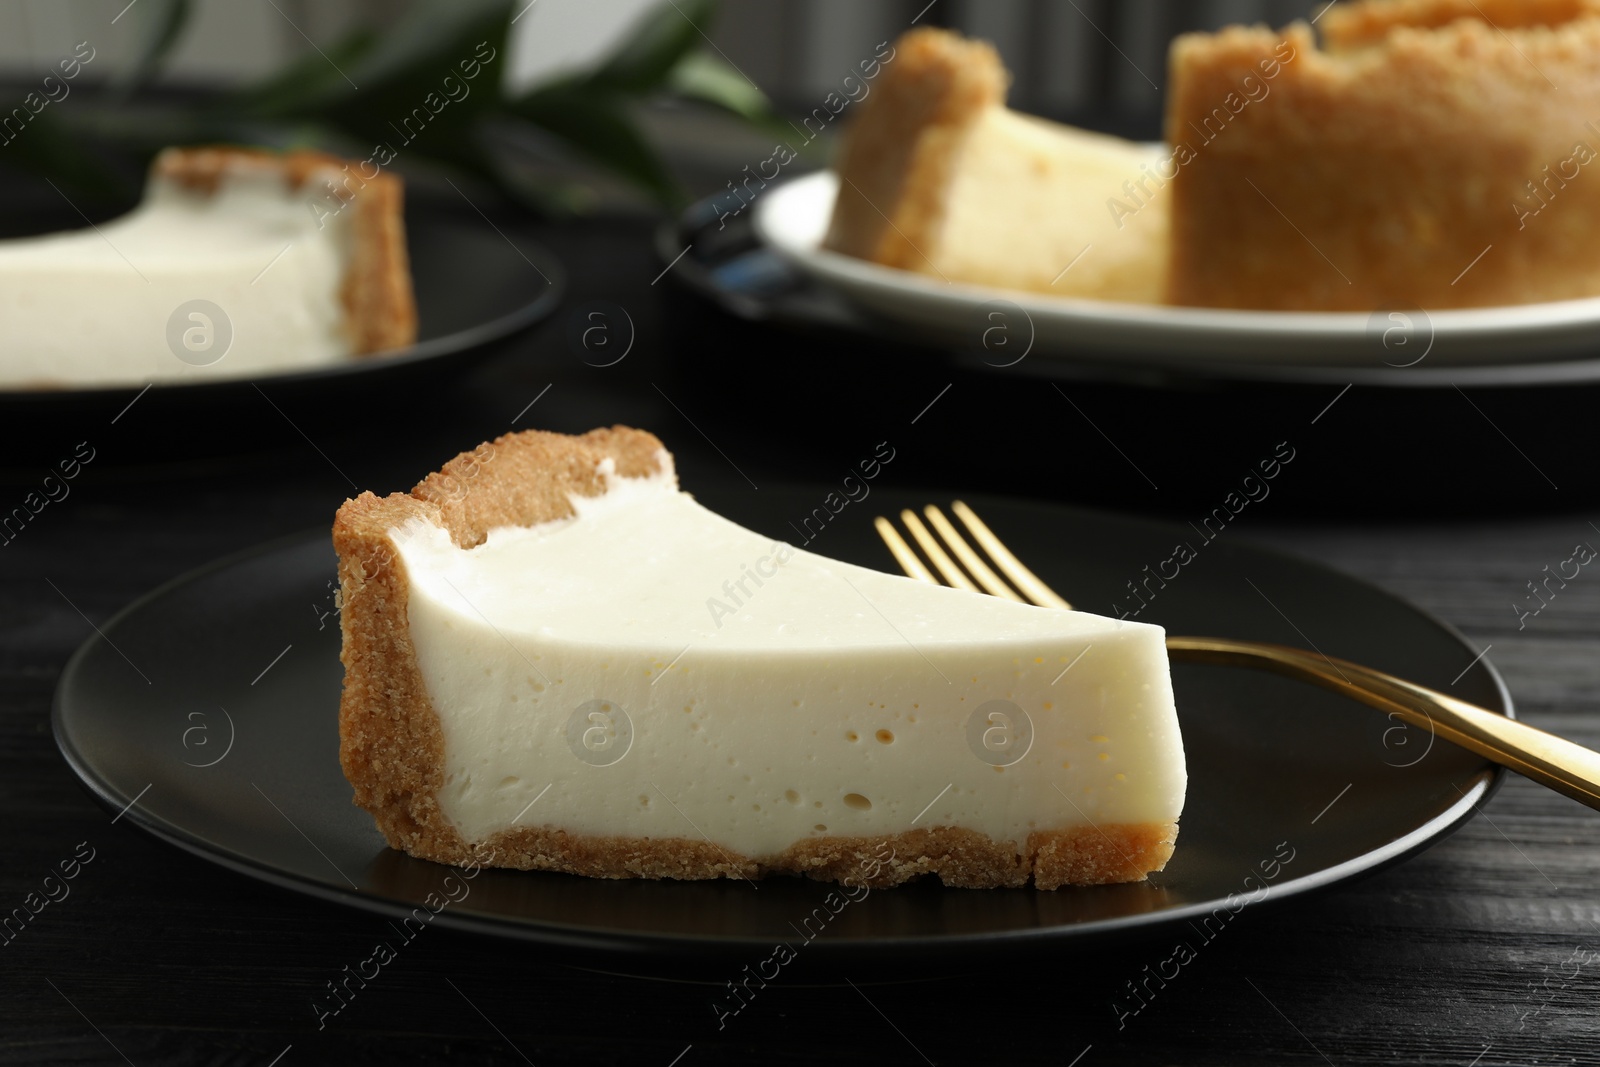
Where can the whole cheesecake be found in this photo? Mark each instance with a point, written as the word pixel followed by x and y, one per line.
pixel 556 660
pixel 1433 152
pixel 236 261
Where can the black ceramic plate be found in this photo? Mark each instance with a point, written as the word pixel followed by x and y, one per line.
pixel 206 713
pixel 475 287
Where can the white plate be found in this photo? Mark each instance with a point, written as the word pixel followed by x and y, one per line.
pixel 1004 325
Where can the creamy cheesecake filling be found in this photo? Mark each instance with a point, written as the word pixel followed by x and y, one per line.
pixel 771 695
pixel 92 307
pixel 1029 198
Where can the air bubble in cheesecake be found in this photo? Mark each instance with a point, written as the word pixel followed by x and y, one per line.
pixel 857 801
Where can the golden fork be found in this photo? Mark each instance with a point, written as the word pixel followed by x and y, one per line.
pixel 1552 761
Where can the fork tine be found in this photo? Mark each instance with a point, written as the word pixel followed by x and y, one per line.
pixel 969 559
pixel 946 566
pixel 902 552
pixel 1025 580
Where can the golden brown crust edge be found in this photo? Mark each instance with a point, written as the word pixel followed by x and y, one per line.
pixel 895 157
pixel 391 746
pixel 376 293
pixel 960 858
pixel 1376 134
pixel 1365 22
pixel 201 168
pixel 390 743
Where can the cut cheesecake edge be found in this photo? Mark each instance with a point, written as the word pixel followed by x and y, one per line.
pixel 896 158
pixel 235 262
pixel 938 176
pixel 376 292
pixel 392 741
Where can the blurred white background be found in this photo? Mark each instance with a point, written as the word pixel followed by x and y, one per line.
pixel 1067 55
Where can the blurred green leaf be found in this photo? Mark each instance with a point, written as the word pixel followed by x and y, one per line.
pixel 304 86
pixel 598 126
pixel 161 23
pixel 713 80
pixel 662 37
pixel 371 77
pixel 427 86
pixel 433 35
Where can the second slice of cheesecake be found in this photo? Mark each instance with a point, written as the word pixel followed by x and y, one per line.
pixel 938 176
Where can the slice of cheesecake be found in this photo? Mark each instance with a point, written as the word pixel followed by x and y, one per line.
pixel 556 660
pixel 235 262
pixel 937 175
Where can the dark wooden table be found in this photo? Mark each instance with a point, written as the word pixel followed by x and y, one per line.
pixel 1484 950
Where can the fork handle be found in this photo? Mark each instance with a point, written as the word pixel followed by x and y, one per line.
pixel 1552 761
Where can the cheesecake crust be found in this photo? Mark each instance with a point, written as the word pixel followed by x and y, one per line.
pixel 897 156
pixel 380 307
pixel 1436 153
pixel 1354 25
pixel 961 858
pixel 391 744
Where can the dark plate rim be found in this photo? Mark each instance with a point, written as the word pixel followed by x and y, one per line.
pixel 483 333
pixel 646 945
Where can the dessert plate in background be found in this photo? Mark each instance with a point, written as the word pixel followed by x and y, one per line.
pixel 207 713
pixel 1399 346
pixel 475 287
